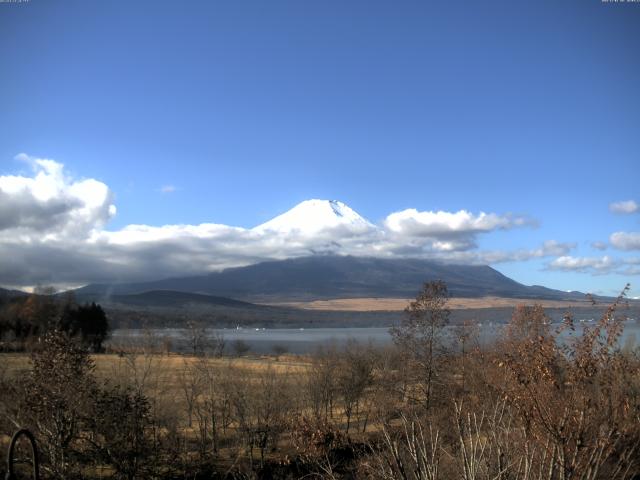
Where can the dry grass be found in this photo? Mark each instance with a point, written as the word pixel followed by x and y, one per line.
pixel 104 363
pixel 166 369
pixel 398 304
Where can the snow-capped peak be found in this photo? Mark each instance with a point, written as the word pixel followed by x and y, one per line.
pixel 312 216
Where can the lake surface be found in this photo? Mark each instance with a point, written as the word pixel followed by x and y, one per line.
pixel 307 340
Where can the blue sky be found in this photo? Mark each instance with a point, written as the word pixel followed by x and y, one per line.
pixel 248 108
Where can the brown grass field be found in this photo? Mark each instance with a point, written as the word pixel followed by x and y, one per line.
pixel 398 304
pixel 160 376
pixel 110 365
pixel 161 373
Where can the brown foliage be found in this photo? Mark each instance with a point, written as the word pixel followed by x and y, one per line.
pixel 574 401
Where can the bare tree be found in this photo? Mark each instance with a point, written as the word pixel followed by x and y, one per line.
pixel 279 349
pixel 261 407
pixel 212 407
pixel 240 347
pixel 190 382
pixel 218 344
pixel 196 336
pixel 420 333
pixel 386 396
pixel 321 382
pixel 466 339
pixel 141 370
pixel 355 375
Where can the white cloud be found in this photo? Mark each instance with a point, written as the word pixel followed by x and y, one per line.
pixel 450 231
pixel 596 265
pixel 51 204
pixel 599 245
pixel 167 189
pixel 626 206
pixel 53 231
pixel 550 248
pixel 424 224
pixel 625 240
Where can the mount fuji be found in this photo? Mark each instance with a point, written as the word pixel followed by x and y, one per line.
pixel 312 216
pixel 332 277
pixel 311 275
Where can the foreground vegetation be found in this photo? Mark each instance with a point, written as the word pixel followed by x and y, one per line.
pixel 432 407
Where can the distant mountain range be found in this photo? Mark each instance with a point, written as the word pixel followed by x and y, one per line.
pixel 6 294
pixel 331 276
pixel 237 296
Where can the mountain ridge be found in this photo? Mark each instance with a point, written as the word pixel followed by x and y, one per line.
pixel 332 276
pixel 6 293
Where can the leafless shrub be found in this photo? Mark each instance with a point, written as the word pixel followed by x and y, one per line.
pixel 212 406
pixel 57 399
pixel 574 401
pixel 190 383
pixel 355 375
pixel 411 452
pixel 117 431
pixel 321 385
pixel 279 350
pixel 260 409
pixel 240 347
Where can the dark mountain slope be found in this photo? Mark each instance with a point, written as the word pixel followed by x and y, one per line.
pixel 167 298
pixel 9 294
pixel 323 277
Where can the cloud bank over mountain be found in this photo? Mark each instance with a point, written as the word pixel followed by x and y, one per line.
pixel 50 204
pixel 53 231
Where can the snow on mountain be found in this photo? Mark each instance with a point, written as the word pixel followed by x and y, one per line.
pixel 313 216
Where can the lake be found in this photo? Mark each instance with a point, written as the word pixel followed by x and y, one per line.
pixel 306 340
